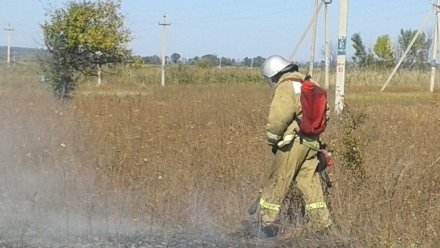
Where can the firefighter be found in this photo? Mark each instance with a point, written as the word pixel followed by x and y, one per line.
pixel 295 159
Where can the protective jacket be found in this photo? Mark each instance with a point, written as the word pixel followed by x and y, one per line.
pixel 285 113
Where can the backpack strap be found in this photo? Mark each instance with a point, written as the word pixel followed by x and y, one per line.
pixel 292 79
pixel 296 83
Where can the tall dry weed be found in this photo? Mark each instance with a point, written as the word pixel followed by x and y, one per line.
pixel 189 157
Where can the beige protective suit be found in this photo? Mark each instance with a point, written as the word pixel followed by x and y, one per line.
pixel 295 160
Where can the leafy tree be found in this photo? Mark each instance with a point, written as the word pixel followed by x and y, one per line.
pixel 175 57
pixel 193 61
pixel 383 49
pixel 257 61
pixel 152 60
pixel 208 60
pixel 418 54
pixel 80 38
pixel 136 61
pixel 227 61
pixel 247 62
pixel 362 57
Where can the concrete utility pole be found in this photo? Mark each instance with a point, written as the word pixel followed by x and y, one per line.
pixel 303 36
pixel 342 52
pixel 313 43
pixel 327 45
pixel 419 31
pixel 8 29
pixel 164 25
pixel 313 26
pixel 435 48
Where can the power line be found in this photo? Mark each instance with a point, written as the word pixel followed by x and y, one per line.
pixel 250 12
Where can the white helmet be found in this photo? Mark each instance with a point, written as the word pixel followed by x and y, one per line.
pixel 272 66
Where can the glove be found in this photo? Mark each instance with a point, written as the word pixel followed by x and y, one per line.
pixel 272 139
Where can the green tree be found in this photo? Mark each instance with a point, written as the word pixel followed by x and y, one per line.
pixel 383 49
pixel 254 62
pixel 175 57
pixel 208 60
pixel 361 56
pixel 80 38
pixel 419 53
pixel 247 62
pixel 193 61
pixel 227 61
pixel 152 60
pixel 258 61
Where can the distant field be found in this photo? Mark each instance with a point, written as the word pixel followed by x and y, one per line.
pixel 134 159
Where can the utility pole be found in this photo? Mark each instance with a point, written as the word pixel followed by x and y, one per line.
pixel 313 43
pixel 327 45
pixel 435 48
pixel 419 31
pixel 303 36
pixel 341 59
pixel 8 29
pixel 313 26
pixel 164 25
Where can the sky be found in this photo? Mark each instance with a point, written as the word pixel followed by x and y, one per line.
pixel 230 28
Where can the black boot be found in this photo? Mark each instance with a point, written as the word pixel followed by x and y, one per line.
pixel 252 229
pixel 270 231
pixel 254 207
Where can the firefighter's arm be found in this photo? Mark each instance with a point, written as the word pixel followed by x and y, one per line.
pixel 281 114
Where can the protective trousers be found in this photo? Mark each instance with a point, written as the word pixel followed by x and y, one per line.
pixel 295 162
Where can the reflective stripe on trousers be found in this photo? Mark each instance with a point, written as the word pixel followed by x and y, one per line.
pixel 270 206
pixel 315 205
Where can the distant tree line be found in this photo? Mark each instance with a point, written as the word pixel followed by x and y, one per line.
pixel 21 53
pixel 386 54
pixel 383 54
pixel 205 61
pixel 89 38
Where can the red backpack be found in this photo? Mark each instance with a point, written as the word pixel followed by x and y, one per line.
pixel 314 106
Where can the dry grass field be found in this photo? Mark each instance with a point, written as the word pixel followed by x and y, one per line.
pixel 137 165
